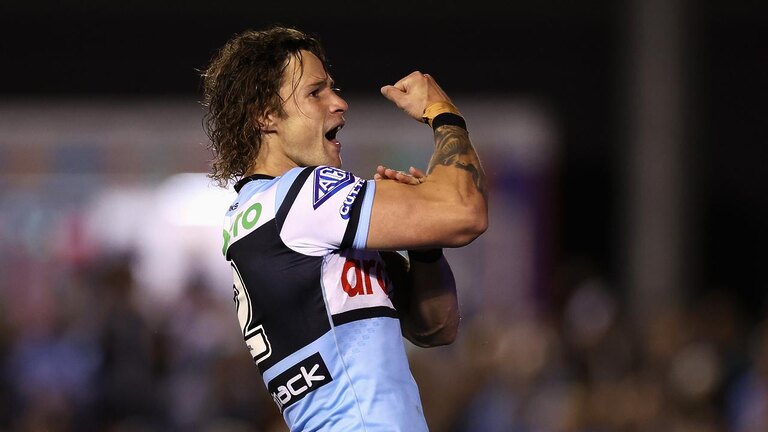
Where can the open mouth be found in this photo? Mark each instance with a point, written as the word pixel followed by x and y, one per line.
pixel 331 134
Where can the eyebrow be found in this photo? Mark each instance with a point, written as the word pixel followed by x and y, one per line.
pixel 322 82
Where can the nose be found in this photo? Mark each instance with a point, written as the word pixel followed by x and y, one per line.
pixel 338 104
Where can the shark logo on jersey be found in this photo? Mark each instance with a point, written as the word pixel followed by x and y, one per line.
pixel 328 181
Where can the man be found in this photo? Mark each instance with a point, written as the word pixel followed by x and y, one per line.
pixel 321 309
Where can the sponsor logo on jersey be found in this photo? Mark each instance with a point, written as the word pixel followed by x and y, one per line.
pixel 245 220
pixel 328 181
pixel 356 277
pixel 346 206
pixel 298 381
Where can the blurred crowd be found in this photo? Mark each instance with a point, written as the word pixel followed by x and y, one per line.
pixel 586 366
pixel 85 355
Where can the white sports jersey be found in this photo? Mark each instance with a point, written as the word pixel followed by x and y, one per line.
pixel 314 306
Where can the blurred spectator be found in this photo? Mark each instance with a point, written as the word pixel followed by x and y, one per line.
pixel 747 397
pixel 203 333
pixel 52 363
pixel 131 358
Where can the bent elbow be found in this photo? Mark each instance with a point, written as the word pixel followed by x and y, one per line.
pixel 480 221
pixel 444 334
pixel 474 224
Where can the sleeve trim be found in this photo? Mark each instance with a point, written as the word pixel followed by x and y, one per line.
pixel 363 225
pixel 354 218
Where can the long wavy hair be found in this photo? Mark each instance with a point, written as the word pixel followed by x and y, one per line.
pixel 241 87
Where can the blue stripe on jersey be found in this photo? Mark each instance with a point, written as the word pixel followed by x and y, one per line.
pixel 286 180
pixel 361 237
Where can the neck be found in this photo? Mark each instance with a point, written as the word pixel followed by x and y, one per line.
pixel 271 162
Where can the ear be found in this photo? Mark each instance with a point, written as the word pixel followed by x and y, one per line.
pixel 268 123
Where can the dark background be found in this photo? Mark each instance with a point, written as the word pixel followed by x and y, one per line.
pixel 84 346
pixel 571 55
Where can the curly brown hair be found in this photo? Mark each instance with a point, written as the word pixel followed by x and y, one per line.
pixel 240 87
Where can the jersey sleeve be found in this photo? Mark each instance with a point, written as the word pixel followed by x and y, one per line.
pixel 321 209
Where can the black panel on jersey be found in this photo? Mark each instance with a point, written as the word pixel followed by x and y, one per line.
pixel 243 181
pixel 284 291
pixel 354 218
pixel 359 314
pixel 290 197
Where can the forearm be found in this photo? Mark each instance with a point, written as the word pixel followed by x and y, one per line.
pixel 455 152
pixel 434 310
pixel 455 167
pixel 448 207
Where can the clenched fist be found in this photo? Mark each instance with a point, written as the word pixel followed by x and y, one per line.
pixel 414 93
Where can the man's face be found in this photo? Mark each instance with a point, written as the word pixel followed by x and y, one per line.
pixel 313 113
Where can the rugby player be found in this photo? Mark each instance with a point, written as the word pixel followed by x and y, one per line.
pixel 322 300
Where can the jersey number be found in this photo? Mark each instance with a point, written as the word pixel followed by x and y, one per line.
pixel 255 336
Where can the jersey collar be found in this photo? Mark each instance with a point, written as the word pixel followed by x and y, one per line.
pixel 239 185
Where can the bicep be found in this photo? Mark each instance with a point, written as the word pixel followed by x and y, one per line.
pixel 415 217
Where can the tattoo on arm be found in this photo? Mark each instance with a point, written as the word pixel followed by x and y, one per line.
pixel 453 148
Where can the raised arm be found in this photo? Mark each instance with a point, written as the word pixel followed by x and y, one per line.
pixel 449 208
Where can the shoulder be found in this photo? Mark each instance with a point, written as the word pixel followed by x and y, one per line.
pixel 317 185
